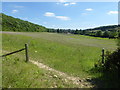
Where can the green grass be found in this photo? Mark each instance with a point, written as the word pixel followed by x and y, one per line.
pixel 72 54
pixel 74 40
pixel 0 58
pixel 19 74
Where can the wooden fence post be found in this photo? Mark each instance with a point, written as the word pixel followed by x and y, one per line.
pixel 103 55
pixel 26 52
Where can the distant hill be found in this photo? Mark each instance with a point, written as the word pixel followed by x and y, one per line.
pixel 106 28
pixel 14 24
pixel 111 31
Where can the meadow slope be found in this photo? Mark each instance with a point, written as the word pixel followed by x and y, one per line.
pixel 72 54
pixel 60 51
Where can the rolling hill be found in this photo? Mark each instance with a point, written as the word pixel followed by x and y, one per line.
pixel 15 24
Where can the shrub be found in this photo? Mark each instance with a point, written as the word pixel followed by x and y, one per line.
pixel 118 43
pixel 112 60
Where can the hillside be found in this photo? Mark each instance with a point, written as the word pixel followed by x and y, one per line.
pixel 74 55
pixel 14 24
pixel 104 28
pixel 110 31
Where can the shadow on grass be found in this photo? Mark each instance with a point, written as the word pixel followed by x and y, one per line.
pixel 105 79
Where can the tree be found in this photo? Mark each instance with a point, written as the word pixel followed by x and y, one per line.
pixel 76 31
pixel 106 34
pixel 58 31
pixel 118 42
pixel 83 32
pixel 98 34
pixel 112 34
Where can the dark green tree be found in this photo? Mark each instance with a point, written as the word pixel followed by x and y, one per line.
pixel 112 34
pixel 106 34
pixel 98 34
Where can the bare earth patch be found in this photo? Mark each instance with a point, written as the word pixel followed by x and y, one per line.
pixel 76 80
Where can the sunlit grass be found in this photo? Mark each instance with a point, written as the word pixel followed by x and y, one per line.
pixel 72 54
pixel 19 74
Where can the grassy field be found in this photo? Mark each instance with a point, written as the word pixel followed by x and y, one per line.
pixel 0 72
pixel 72 54
pixel 18 74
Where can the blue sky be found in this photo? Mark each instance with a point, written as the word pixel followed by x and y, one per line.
pixel 73 15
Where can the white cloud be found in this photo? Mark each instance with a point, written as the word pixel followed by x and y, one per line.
pixel 66 4
pixel 72 3
pixel 112 12
pixel 62 1
pixel 63 17
pixel 14 11
pixel 49 14
pixel 89 9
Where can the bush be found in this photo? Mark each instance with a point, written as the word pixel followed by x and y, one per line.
pixel 118 43
pixel 112 61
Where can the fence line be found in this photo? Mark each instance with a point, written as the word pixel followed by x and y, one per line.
pixel 26 52
pixel 27 57
pixel 13 52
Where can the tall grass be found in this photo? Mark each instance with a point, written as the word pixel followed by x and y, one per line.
pixel 19 74
pixel 71 54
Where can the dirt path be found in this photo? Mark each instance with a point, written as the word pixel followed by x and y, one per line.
pixel 76 80
pixel 82 83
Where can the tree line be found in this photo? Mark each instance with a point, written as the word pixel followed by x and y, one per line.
pixel 105 31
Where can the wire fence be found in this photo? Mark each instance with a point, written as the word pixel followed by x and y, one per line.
pixel 27 56
pixel 26 52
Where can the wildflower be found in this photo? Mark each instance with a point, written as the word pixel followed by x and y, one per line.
pixel 35 51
